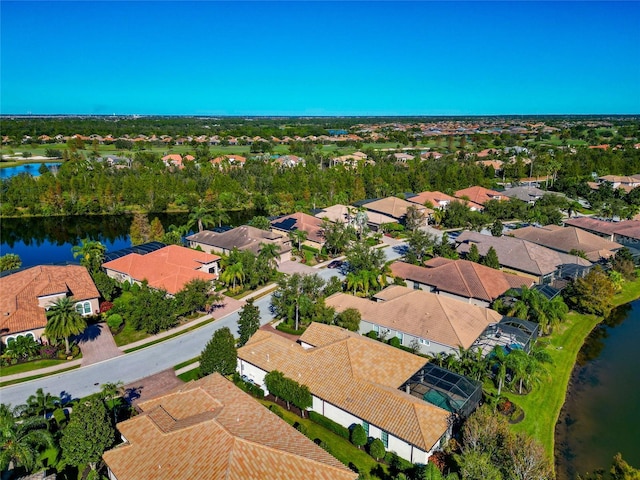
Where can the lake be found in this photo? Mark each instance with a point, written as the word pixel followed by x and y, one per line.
pixel 30 168
pixel 47 240
pixel 601 415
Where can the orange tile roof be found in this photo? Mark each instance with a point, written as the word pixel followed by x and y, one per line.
pixel 169 268
pixel 426 315
pixel 434 198
pixel 355 373
pixel 301 221
pixel 230 158
pixel 211 429
pixel 19 293
pixel 462 277
pixel 480 195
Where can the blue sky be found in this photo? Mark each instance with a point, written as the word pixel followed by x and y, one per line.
pixel 320 58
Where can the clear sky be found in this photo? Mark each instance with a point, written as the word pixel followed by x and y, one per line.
pixel 320 58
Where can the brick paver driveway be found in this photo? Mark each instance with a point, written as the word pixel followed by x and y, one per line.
pixel 296 267
pixel 97 344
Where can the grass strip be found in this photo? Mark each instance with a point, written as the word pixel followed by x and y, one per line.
pixel 339 447
pixel 168 337
pixel 186 362
pixel 35 377
pixel 28 366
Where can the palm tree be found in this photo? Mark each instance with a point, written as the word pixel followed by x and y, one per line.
pixel 271 253
pixel 200 216
pixel 232 274
pixel 369 279
pixel 498 360
pixel 41 403
pixel 220 214
pixel 298 236
pixel 91 254
pixel 64 321
pixel 353 281
pixel 21 440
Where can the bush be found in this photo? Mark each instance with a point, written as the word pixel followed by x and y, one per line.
pixel 329 424
pixel 48 351
pixel 301 428
pixel 376 449
pixel 276 410
pixel 394 342
pixel 114 321
pixel 372 334
pixel 283 327
pixel 358 435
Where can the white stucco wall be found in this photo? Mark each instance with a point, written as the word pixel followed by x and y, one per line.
pixel 430 348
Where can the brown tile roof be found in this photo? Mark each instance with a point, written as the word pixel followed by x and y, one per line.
pixel 565 239
pixel 518 254
pixel 211 429
pixel 340 213
pixel 394 207
pixel 169 268
pixel 245 237
pixel 426 315
pixel 358 375
pixel 301 221
pixel 432 197
pixel 480 195
pixel 19 293
pixel 462 277
pixel 627 228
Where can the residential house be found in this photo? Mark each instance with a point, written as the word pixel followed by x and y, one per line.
pixel 433 323
pixel 568 239
pixel 395 207
pixel 626 232
pixel 211 429
pixel 431 155
pixel 177 160
pixel 522 257
pixel 245 237
pixel 626 183
pixel 440 201
pixel 527 194
pixel 353 380
pixel 480 195
pixel 460 279
pixel 345 214
pixel 169 268
pixel 26 295
pixel 402 157
pixel 230 160
pixel 289 160
pixel 351 159
pixel 301 221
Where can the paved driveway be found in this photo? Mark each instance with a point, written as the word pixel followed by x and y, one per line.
pixel 290 268
pixel 97 344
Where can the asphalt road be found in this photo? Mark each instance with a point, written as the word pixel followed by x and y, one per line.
pixel 148 361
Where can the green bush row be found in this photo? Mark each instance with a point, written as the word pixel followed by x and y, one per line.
pixel 329 424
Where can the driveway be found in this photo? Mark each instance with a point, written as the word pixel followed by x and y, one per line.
pixel 97 344
pixel 290 268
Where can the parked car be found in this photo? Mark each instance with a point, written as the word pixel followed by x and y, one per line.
pixel 335 264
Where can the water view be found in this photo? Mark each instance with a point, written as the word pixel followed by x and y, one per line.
pixel 600 416
pixel 32 169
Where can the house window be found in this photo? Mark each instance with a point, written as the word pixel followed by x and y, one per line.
pixel 400 337
pixel 376 328
pixel 424 342
pixel 385 439
pixel 416 286
pixel 365 425
pixel 83 308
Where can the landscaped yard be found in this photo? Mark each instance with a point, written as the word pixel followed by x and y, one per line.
pixel 542 406
pixel 29 366
pixel 339 447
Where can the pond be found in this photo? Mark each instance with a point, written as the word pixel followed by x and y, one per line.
pixel 48 240
pixel 32 169
pixel 601 415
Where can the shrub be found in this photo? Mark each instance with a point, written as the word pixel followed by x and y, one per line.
pixel 48 351
pixel 329 424
pixel 358 436
pixel 376 449
pixel 394 342
pixel 283 327
pixel 114 321
pixel 276 410
pixel 372 334
pixel 105 307
pixel 300 427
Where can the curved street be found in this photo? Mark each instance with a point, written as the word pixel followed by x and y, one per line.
pixel 147 361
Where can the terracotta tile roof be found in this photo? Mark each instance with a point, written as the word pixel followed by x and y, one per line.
pixel 169 268
pixel 462 277
pixel 232 159
pixel 19 293
pixel 394 207
pixel 518 254
pixel 245 237
pixel 358 375
pixel 480 195
pixel 301 221
pixel 211 429
pixel 432 197
pixel 565 239
pixel 426 315
pixel 627 228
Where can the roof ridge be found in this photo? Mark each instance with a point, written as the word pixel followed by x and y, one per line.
pixel 475 267
pixel 446 312
pixel 456 265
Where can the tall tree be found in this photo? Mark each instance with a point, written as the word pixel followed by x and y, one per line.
pixel 88 434
pixel 200 216
pixel 156 230
pixel 219 355
pixel 491 259
pixel 270 253
pixel 349 319
pixel 63 321
pixel 10 261
pixel 419 245
pixel 299 237
pixel 473 255
pixel 42 403
pixel 21 439
pixel 248 322
pixel 91 254
pixel 260 222
pixel 140 229
pixel 414 218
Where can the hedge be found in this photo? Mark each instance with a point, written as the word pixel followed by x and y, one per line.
pixel 283 327
pixel 329 424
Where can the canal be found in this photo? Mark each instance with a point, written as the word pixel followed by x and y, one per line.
pixel 601 415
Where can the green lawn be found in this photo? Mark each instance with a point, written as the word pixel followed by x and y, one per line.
pixel 129 335
pixel 542 406
pixel 193 374
pixel 339 447
pixel 29 366
pixel 34 377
